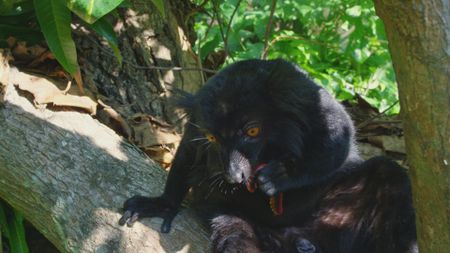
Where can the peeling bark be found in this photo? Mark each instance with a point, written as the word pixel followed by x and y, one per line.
pixel 419 41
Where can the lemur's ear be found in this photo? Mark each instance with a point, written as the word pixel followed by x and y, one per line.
pixel 185 101
pixel 181 99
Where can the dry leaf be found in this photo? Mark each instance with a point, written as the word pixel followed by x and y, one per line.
pixel 161 155
pixel 156 138
pixel 26 53
pixel 5 57
pixel 150 132
pixel 46 92
pixel 110 117
pixel 79 80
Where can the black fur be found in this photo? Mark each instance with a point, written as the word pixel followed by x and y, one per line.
pixel 304 151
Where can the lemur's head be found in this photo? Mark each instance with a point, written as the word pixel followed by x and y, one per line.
pixel 251 113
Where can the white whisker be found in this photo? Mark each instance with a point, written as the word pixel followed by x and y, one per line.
pixel 197 126
pixel 199 139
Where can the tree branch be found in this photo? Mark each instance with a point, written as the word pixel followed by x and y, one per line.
pixel 268 28
pixel 69 175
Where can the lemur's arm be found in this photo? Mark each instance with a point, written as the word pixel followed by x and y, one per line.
pixel 165 206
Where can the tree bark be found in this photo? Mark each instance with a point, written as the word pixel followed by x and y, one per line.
pixel 147 42
pixel 419 40
pixel 69 175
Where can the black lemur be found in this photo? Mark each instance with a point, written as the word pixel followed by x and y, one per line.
pixel 271 160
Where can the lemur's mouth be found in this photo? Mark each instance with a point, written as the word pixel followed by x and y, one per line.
pixel 275 202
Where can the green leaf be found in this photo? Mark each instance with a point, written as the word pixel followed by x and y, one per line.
pixel 360 55
pixel 304 9
pixel 381 34
pixel 355 11
pixel 254 50
pixel 125 4
pixel 29 35
pixel 17 239
pixel 15 7
pixel 54 19
pixel 160 6
pixel 11 225
pixel 210 46
pixel 344 94
pixel 105 29
pixel 4 228
pixel 92 10
pixel 234 42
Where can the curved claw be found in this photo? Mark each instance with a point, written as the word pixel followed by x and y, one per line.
pixel 132 219
pixel 126 215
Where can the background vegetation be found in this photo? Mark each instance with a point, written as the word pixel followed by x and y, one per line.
pixel 341 43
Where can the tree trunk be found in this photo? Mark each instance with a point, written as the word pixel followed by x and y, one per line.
pixel 419 42
pixel 69 174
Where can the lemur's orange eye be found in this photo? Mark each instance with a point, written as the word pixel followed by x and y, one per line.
pixel 253 131
pixel 211 138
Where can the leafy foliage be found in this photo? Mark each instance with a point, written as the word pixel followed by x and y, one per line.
pixel 341 43
pixel 55 18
